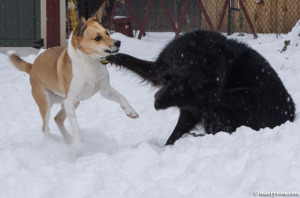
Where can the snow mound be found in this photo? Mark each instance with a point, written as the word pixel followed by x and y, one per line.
pixel 125 158
pixel 10 52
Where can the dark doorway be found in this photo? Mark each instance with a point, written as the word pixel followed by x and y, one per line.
pixel 20 23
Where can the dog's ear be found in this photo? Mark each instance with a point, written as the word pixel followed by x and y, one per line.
pixel 99 14
pixel 80 27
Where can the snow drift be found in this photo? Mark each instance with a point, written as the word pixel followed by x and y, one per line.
pixel 126 158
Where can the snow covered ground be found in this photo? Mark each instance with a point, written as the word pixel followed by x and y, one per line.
pixel 127 158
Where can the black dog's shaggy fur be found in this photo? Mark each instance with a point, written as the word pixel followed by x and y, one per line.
pixel 216 81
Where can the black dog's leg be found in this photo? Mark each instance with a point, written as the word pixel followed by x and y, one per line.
pixel 186 122
pixel 145 69
pixel 213 127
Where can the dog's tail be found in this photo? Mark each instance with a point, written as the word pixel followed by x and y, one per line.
pixel 145 69
pixel 19 63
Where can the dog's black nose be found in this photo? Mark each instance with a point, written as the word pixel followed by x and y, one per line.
pixel 156 105
pixel 117 43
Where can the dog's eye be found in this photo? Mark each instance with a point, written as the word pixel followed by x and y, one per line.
pixel 98 38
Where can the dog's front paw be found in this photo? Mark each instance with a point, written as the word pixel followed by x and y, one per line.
pixel 130 112
pixel 68 138
pixel 133 115
pixel 77 148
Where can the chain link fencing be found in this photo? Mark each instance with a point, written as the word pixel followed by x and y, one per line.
pixel 177 16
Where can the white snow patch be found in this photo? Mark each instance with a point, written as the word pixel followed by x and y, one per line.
pixel 10 52
pixel 126 158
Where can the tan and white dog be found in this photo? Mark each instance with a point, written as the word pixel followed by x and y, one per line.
pixel 68 75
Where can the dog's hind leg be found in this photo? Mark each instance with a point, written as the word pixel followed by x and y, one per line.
pixel 69 105
pixel 186 122
pixel 40 97
pixel 60 119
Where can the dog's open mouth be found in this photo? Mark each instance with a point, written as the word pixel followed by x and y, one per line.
pixel 111 52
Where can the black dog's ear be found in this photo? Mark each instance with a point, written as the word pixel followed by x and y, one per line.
pixel 80 27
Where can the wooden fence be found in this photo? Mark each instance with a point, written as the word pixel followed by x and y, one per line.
pixel 267 16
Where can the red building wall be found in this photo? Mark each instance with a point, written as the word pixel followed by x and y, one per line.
pixel 53 23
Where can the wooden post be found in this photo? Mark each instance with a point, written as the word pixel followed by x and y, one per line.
pixel 112 14
pixel 142 27
pixel 133 13
pixel 168 15
pixel 222 15
pixel 53 23
pixel 182 17
pixel 205 15
pixel 248 19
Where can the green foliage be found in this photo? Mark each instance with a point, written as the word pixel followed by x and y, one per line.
pixel 286 44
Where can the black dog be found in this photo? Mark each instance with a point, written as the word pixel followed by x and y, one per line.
pixel 216 81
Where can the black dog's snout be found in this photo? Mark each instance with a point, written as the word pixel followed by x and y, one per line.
pixel 156 105
pixel 117 43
